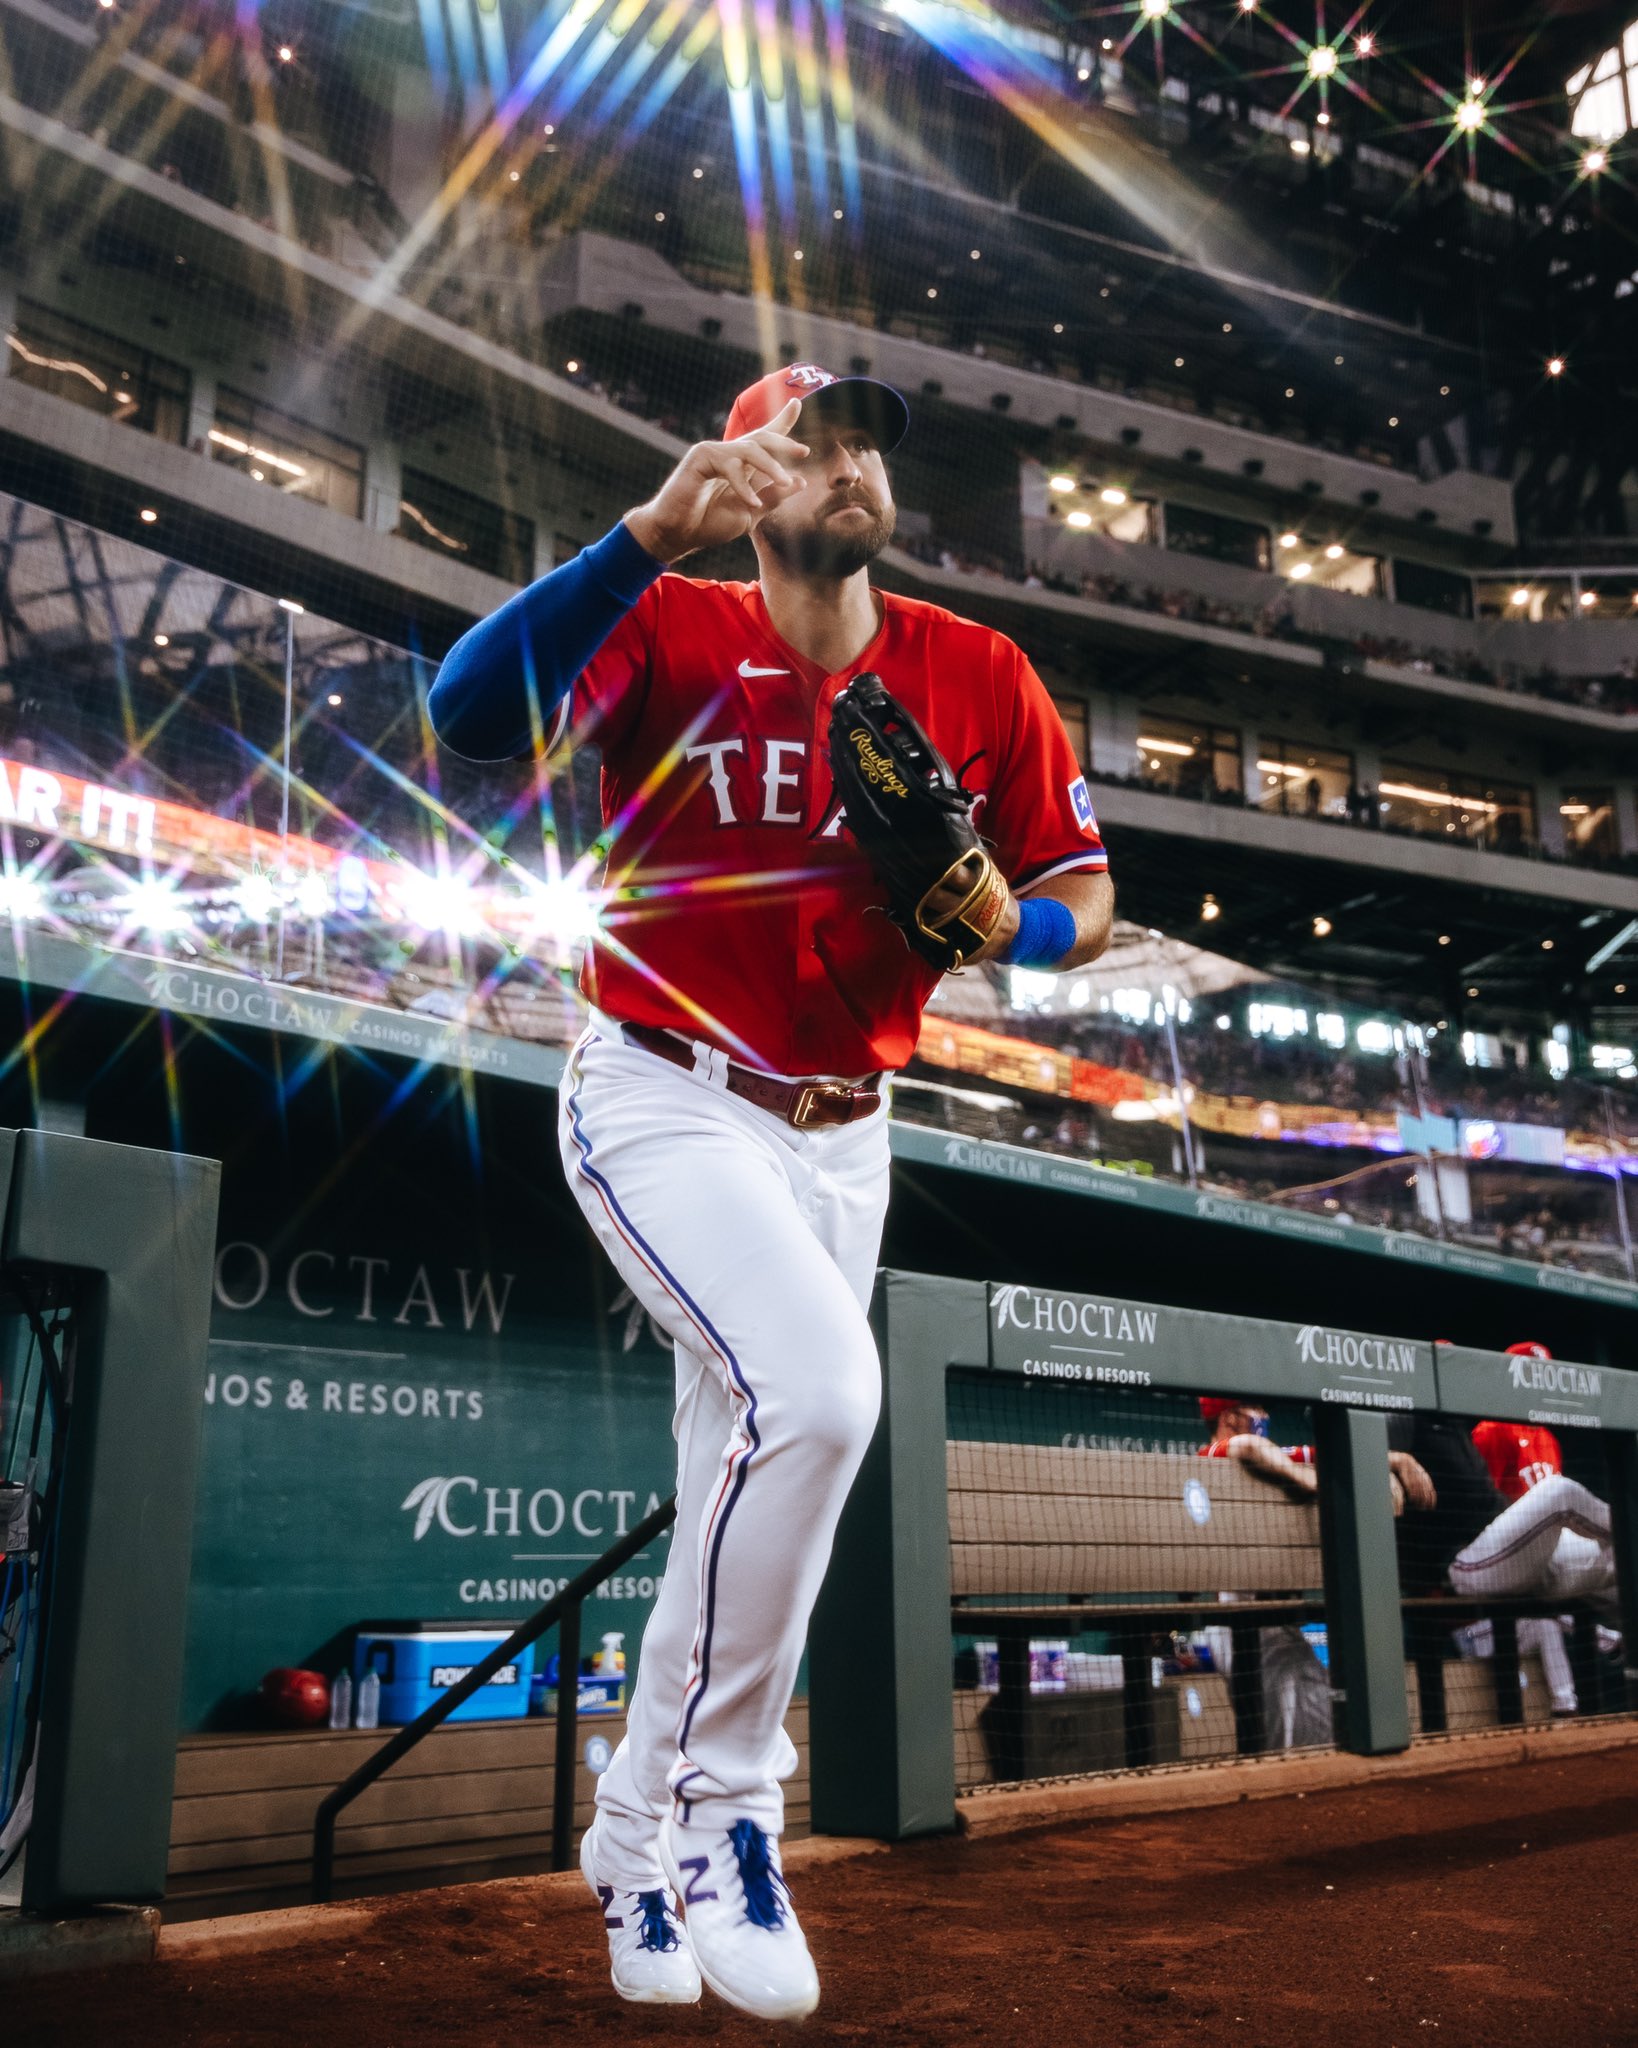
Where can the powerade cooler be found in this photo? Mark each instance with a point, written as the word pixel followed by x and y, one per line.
pixel 418 1662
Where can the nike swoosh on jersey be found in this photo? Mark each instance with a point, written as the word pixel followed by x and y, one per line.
pixel 747 670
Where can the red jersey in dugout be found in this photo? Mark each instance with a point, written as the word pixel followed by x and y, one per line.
pixel 738 909
pixel 1520 1455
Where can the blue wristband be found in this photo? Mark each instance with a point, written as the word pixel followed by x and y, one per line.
pixel 1046 931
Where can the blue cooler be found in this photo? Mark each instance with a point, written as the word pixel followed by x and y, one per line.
pixel 418 1662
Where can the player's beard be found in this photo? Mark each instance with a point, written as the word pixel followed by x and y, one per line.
pixel 829 553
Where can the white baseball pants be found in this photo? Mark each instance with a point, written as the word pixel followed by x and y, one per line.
pixel 754 1246
pixel 1553 1540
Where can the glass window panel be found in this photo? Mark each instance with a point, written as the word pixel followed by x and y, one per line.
pixel 49 352
pixel 466 528
pixel 1468 809
pixel 288 454
pixel 1190 531
pixel 1305 781
pixel 1589 824
pixel 1190 759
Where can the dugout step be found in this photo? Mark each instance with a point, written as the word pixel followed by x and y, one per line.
pixel 35 1945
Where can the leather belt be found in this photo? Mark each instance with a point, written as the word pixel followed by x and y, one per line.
pixel 805 1105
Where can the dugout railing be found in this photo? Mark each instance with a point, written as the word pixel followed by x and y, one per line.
pixel 903 1604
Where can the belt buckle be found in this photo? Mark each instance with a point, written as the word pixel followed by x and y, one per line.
pixel 804 1116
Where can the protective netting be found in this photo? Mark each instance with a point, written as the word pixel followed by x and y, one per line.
pixel 1507 1575
pixel 37 1334
pixel 1136 1581
pixel 327 327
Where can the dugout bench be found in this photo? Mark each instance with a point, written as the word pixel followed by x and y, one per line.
pixel 937 1532
pixel 1148 1541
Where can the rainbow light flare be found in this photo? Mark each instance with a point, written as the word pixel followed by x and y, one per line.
pixel 1152 192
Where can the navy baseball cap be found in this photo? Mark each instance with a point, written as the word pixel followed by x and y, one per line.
pixel 857 401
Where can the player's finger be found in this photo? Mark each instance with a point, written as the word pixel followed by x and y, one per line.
pixel 752 458
pixel 782 446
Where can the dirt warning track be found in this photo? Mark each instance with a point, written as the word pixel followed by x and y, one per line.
pixel 1490 1906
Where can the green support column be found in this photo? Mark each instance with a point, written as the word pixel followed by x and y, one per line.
pixel 138 1229
pixel 1361 1580
pixel 879 1660
pixel 1621 1463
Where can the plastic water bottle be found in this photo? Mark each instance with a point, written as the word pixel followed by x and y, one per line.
pixel 369 1700
pixel 341 1701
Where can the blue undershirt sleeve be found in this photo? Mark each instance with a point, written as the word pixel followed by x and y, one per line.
pixel 535 646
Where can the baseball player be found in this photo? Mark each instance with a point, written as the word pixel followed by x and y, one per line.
pixel 1519 1454
pixel 1553 1542
pixel 722 1117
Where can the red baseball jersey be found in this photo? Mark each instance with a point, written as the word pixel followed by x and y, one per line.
pixel 1520 1454
pixel 738 909
pixel 1299 1454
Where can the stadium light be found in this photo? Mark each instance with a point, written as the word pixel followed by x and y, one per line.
pixel 153 903
pixel 1153 746
pixel 333 699
pixel 21 896
pixel 257 896
pixel 1288 540
pixel 1594 161
pixel 1334 552
pixel 312 894
pixel 1470 116
pixel 1588 599
pixel 1060 483
pixel 1521 597
pixel 1365 45
pixel 1322 927
pixel 1154 10
pixel 1301 569
pixel 1322 61
pixel 439 903
pixel 1300 145
pixel 1111 494
pixel 147 515
pixel 1079 519
pixel 1210 909
pixel 1555 366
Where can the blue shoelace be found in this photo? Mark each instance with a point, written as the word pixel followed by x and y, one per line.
pixel 658 1932
pixel 763 1905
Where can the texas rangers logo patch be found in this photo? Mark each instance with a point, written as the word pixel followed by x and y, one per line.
pixel 1082 802
pixel 808 376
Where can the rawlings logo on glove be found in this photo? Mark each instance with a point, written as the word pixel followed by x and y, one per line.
pixel 912 820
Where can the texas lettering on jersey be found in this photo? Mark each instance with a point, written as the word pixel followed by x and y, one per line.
pixel 1519 1454
pixel 737 907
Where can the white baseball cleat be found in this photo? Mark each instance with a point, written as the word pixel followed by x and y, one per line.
pixel 650 1957
pixel 749 1947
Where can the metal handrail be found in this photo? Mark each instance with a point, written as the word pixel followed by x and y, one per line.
pixel 563 1608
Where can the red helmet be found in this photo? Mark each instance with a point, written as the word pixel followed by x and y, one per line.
pixel 300 1699
pixel 1214 1405
pixel 1528 1349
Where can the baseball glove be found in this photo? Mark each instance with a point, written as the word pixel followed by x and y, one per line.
pixel 912 819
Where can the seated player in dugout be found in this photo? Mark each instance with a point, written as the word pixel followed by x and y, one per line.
pixel 1558 1544
pixel 1240 1431
pixel 753 981
pixel 1553 1543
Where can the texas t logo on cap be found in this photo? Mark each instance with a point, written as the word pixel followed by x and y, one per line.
pixel 843 401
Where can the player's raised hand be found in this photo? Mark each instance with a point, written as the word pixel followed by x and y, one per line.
pixel 720 490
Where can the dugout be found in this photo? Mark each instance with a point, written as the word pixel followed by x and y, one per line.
pixel 408 1308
